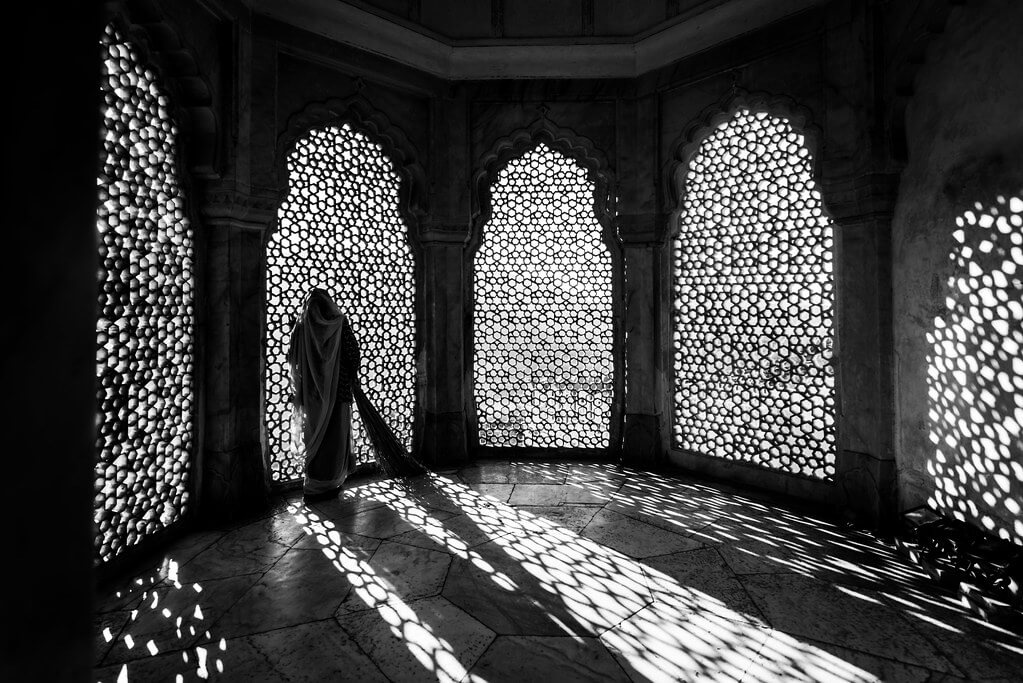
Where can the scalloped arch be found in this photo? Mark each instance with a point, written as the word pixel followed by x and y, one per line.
pixel 160 44
pixel 360 114
pixel 687 145
pixel 518 142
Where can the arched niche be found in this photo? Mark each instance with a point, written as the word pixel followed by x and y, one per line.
pixel 348 222
pixel 549 363
pixel 753 310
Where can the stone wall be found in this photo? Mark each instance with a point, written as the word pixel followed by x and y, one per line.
pixel 957 267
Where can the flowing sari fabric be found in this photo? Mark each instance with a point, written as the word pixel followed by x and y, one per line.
pixel 324 359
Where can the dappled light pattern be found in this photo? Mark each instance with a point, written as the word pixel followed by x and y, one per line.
pixel 340 229
pixel 975 373
pixel 754 302
pixel 167 618
pixel 561 570
pixel 146 313
pixel 542 318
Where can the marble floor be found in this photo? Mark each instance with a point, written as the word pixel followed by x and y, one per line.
pixel 530 571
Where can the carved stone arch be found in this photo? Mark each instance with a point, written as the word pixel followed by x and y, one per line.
pixel 576 147
pixel 688 143
pixel 159 42
pixel 361 115
pixel 584 152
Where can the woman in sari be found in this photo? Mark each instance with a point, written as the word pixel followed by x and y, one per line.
pixel 324 359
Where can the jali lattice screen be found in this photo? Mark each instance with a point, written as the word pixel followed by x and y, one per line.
pixel 339 228
pixel 146 321
pixel 753 302
pixel 543 321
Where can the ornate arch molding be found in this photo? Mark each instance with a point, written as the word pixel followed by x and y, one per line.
pixel 584 152
pixel 688 144
pixel 577 147
pixel 177 65
pixel 361 115
pixel 916 50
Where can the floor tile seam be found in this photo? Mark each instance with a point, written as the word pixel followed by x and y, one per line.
pixel 196 639
pixel 954 671
pixel 633 517
pixel 943 652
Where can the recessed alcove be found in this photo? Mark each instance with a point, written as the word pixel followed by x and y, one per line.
pixel 683 305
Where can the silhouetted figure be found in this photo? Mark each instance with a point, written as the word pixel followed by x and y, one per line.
pixel 324 359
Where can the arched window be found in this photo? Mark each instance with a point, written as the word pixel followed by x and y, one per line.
pixel 543 320
pixel 340 229
pixel 753 302
pixel 146 323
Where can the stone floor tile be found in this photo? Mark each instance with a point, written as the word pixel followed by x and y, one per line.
pixel 978 650
pixel 107 627
pixel 537 494
pixel 488 472
pixel 501 593
pixel 253 548
pixel 428 639
pixel 571 517
pixel 499 492
pixel 700 578
pixel 384 522
pixel 315 652
pixel 633 537
pixel 590 492
pixel 538 658
pixel 305 585
pixel 596 472
pixel 659 643
pixel 454 535
pixel 776 663
pixel 239 660
pixel 177 618
pixel 803 606
pixel 319 536
pixel 396 572
pixel 345 505
pixel 539 473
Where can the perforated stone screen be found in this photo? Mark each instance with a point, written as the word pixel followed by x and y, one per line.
pixel 145 327
pixel 339 228
pixel 543 322
pixel 753 302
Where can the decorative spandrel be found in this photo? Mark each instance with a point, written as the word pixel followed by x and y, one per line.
pixel 146 319
pixel 754 302
pixel 340 229
pixel 543 320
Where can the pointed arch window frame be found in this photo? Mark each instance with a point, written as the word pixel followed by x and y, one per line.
pixel 675 175
pixel 358 113
pixel 582 151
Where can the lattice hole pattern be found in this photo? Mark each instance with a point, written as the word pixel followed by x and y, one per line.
pixel 543 323
pixel 339 228
pixel 753 302
pixel 146 320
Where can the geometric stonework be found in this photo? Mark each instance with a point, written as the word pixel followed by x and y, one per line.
pixel 542 319
pixel 340 229
pixel 146 317
pixel 753 308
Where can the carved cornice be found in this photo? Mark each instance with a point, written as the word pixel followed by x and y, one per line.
pixel 517 143
pixel 688 143
pixel 239 209
pixel 361 115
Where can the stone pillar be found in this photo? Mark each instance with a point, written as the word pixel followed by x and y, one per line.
pixel 234 478
pixel 442 366
pixel 642 230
